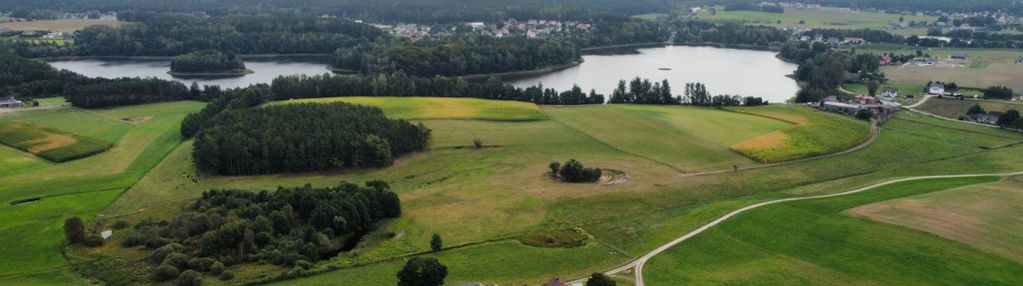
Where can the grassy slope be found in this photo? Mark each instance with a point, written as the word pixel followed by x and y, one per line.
pixel 952 108
pixel 811 242
pixel 987 217
pixel 14 160
pixel 815 133
pixel 31 241
pixel 443 108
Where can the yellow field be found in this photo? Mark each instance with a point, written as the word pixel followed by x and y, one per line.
pixel 58 25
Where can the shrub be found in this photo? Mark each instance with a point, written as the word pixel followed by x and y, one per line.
pixel 227 275
pixel 422 271
pixel 190 278
pixel 555 166
pixel 120 224
pixel 574 172
pixel 201 264
pixel 217 268
pixel 164 272
pixel 478 143
pixel 599 279
pixel 303 264
pixel 74 229
pixel 133 238
pixel 160 253
pixel 93 240
pixel 436 243
pixel 178 260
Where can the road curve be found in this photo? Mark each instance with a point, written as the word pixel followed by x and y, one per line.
pixel 640 262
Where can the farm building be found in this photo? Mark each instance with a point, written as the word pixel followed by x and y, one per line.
pixel 936 88
pixel 889 92
pixel 9 102
pixel 957 56
pixel 853 41
pixel 1019 60
pixel 990 118
pixel 880 109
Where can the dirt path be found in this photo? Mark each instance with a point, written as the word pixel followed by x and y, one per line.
pixel 639 263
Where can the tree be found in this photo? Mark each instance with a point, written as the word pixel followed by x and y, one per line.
pixel 422 271
pixel 975 110
pixel 74 229
pixel 477 143
pixel 864 114
pixel 436 243
pixel 599 279
pixel 1008 118
pixel 555 167
pixel 998 92
pixel 872 87
pixel 190 278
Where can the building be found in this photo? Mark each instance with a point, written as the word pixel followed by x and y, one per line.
pixel 989 118
pixel 889 92
pixel 1019 60
pixel 936 88
pixel 957 56
pixel 879 109
pixel 853 41
pixel 9 102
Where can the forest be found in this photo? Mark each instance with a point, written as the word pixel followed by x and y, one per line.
pixel 26 79
pixel 822 71
pixel 303 138
pixel 208 61
pixel 289 226
pixel 101 92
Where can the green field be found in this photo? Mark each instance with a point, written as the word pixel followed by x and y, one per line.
pixel 983 67
pixel 815 18
pixel 31 235
pixel 953 108
pixel 481 200
pixel 49 143
pixel 813 133
pixel 813 242
pixel 986 216
pixel 422 108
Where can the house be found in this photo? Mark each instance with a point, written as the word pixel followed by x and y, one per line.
pixel 936 88
pixel 989 118
pixel 1019 60
pixel 555 282
pixel 853 41
pixel 9 102
pixel 957 56
pixel 885 60
pixel 889 92
pixel 833 41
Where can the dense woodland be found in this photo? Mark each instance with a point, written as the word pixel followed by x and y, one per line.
pixel 289 226
pixel 26 79
pixel 101 92
pixel 303 138
pixel 207 62
pixel 822 70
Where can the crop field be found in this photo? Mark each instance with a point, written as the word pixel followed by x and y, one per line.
pixel 813 242
pixel 983 67
pixel 983 216
pixel 49 143
pixel 57 25
pixel 813 133
pixel 817 18
pixel 422 108
pixel 31 234
pixel 482 200
pixel 953 108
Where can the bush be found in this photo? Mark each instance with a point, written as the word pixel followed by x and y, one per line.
pixel 554 166
pixel 864 114
pixel 227 275
pixel 422 271
pixel 436 243
pixel 190 278
pixel 478 143
pixel 74 229
pixel 201 264
pixel 133 238
pixel 178 260
pixel 304 264
pixel 574 172
pixel 120 224
pixel 599 279
pixel 164 272
pixel 160 253
pixel 93 240
pixel 217 268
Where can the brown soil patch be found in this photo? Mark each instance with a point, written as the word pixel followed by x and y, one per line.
pixel 137 120
pixel 50 142
pixel 771 140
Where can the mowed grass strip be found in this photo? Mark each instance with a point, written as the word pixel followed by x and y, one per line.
pixel 812 242
pixel 49 143
pixel 953 108
pixel 987 216
pixel 424 108
pixel 813 133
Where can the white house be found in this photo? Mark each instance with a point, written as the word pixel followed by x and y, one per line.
pixel 889 92
pixel 936 88
pixel 9 102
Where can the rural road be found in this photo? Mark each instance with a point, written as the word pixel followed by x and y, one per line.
pixel 639 263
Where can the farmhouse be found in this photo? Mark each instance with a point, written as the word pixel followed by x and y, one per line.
pixel 990 118
pixel 936 88
pixel 957 56
pixel 890 92
pixel 9 102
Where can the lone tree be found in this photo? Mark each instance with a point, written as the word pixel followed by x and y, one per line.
pixel 1008 118
pixel 555 167
pixel 872 87
pixel 478 143
pixel 599 279
pixel 975 110
pixel 422 271
pixel 436 243
pixel 74 229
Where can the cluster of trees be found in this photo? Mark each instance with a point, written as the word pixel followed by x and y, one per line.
pixel 101 92
pixel 208 61
pixel 458 56
pixel 422 271
pixel 699 32
pixel 869 35
pixel 25 78
pixel 171 34
pixel 289 226
pixel 399 84
pixel 302 138
pixel 642 91
pixel 822 71
pixel 1011 119
pixel 998 92
pixel 219 101
pixel 573 171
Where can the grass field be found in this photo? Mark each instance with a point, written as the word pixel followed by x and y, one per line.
pixel 488 197
pixel 30 234
pixel 983 68
pixel 58 25
pixel 49 143
pixel 816 18
pixel 986 216
pixel 811 242
pixel 813 133
pixel 422 108
pixel 904 89
pixel 953 108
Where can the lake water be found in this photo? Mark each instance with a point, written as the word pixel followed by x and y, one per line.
pixel 264 71
pixel 723 71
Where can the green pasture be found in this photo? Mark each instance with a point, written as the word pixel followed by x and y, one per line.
pixel 49 143
pixel 442 108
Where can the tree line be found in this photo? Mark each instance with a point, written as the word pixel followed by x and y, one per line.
pixel 303 138
pixel 290 227
pixel 642 91
pixel 822 70
pixel 206 62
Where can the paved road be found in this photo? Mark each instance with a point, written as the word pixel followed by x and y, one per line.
pixel 639 263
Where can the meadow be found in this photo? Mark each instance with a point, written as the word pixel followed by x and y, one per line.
pixel 813 242
pixel 953 108
pixel 813 133
pixel 815 18
pixel 983 67
pixel 984 216
pixel 49 143
pixel 423 108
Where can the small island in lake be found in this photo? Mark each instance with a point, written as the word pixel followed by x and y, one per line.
pixel 208 64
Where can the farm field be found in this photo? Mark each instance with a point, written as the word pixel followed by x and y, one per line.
pixel 983 67
pixel 983 216
pixel 904 89
pixel 31 236
pixel 58 25
pixel 49 143
pixel 422 108
pixel 816 18
pixel 813 242
pixel 952 108
pixel 813 133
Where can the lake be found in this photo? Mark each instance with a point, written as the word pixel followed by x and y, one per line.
pixel 264 70
pixel 723 71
